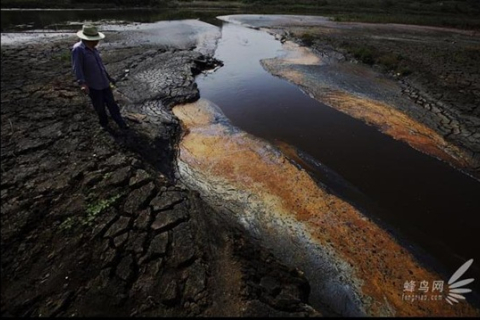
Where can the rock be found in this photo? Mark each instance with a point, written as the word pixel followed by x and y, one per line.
pixel 271 285
pixel 104 221
pixel 118 227
pixel 140 177
pixel 142 220
pixel 168 219
pixel 52 130
pixel 136 242
pixel 157 247
pixel 138 198
pixel 91 178
pixel 125 268
pixel 104 150
pixel 119 176
pixel 148 281
pixel 108 257
pixel 167 199
pixel 183 246
pixel 196 281
pixel 58 184
pixel 170 293
pixel 120 240
pixel 29 145
pixel 60 303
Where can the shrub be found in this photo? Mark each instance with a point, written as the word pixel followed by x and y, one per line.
pixel 364 54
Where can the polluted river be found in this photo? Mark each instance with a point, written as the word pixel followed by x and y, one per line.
pixel 360 212
pixel 360 199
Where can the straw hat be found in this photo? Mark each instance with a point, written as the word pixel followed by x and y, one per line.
pixel 90 32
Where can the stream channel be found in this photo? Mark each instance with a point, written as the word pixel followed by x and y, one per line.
pixel 432 208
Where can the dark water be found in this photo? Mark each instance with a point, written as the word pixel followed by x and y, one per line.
pixel 426 203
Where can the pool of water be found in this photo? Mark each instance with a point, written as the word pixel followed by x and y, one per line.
pixel 430 206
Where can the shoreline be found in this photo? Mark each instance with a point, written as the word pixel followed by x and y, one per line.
pixel 299 221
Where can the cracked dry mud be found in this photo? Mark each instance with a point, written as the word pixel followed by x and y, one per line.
pixel 94 222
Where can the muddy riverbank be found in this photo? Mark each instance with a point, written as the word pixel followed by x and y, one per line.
pixel 94 223
pixel 225 164
pixel 353 265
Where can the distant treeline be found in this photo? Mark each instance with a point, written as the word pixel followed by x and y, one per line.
pixel 463 14
pixel 69 4
pixel 469 7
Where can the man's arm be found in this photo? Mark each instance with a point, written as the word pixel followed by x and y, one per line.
pixel 77 65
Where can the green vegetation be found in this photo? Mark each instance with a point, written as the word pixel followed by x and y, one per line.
pixel 370 55
pixel 426 19
pixel 307 39
pixel 67 224
pixel 363 54
pixel 63 55
pixel 69 4
pixel 94 208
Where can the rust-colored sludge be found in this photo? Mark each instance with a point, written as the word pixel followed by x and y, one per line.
pixel 235 160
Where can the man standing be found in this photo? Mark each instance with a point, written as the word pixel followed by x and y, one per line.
pixel 92 76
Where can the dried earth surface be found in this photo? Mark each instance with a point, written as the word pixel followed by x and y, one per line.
pixel 94 222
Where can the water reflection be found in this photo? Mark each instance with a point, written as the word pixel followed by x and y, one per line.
pixel 424 199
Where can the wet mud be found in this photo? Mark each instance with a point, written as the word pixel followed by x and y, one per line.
pixel 353 265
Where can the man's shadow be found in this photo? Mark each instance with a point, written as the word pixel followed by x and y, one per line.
pixel 159 152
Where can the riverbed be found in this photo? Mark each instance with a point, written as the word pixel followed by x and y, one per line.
pixel 413 193
pixel 408 193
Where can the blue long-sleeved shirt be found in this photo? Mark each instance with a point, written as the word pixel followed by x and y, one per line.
pixel 88 67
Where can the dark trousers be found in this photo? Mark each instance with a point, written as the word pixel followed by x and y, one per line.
pixel 102 98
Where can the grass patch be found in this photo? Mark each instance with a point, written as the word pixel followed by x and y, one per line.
pixel 64 56
pixel 390 62
pixel 307 38
pixel 459 21
pixel 364 54
pixel 94 209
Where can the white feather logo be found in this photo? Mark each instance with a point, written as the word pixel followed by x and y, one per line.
pixel 455 289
